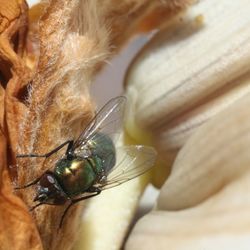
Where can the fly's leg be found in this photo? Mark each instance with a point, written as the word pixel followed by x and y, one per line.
pixel 93 189
pixel 37 205
pixel 29 184
pixel 69 149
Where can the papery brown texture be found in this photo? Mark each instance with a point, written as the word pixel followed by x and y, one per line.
pixel 17 229
pixel 47 97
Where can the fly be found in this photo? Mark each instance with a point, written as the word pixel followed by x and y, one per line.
pixel 93 162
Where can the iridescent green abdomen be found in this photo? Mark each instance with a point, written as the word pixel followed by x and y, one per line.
pixel 75 176
pixel 103 152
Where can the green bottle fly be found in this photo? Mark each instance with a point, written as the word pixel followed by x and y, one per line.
pixel 93 162
pixel 78 174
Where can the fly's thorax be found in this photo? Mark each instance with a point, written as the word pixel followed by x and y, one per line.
pixel 75 175
pixel 91 162
pixel 84 151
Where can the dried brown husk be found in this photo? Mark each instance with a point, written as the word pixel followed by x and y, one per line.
pixel 46 97
pixel 17 229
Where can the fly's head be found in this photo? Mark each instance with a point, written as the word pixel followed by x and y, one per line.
pixel 49 191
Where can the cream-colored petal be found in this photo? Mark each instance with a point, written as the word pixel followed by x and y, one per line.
pixel 215 155
pixel 190 87
pixel 108 216
pixel 208 190
pixel 190 72
pixel 222 222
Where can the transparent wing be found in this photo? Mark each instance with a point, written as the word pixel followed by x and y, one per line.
pixel 132 161
pixel 107 121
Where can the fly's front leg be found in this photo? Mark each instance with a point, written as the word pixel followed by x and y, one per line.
pixel 69 149
pixel 29 184
pixel 90 190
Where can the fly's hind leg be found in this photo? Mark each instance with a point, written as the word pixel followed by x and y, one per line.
pixel 93 189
